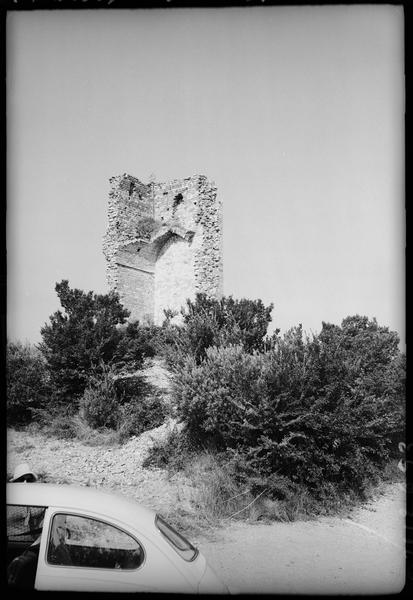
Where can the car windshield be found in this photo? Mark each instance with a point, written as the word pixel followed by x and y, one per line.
pixel 178 542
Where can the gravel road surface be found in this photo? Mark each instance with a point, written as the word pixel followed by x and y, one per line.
pixel 362 554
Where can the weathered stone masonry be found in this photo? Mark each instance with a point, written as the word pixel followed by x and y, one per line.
pixel 163 243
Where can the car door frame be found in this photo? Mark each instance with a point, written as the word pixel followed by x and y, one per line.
pixel 157 573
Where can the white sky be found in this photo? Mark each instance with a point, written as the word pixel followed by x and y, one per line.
pixel 297 114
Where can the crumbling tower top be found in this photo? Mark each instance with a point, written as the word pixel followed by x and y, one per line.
pixel 163 243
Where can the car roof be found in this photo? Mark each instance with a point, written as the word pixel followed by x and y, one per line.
pixel 82 498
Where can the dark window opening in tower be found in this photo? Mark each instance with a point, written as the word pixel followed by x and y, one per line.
pixel 177 201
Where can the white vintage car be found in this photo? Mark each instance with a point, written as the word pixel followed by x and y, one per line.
pixel 84 539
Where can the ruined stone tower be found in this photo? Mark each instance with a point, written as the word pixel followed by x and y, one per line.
pixel 163 243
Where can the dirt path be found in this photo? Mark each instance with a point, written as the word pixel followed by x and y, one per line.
pixel 363 554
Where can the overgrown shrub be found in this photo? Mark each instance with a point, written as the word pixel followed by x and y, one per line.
pixel 171 454
pixel 215 398
pixel 111 410
pixel 131 388
pixel 141 405
pixel 129 405
pixel 141 415
pixel 27 382
pixel 210 322
pixel 136 342
pixel 99 405
pixel 306 409
pixel 88 335
pixel 56 420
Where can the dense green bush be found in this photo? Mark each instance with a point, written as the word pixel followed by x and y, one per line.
pixel 171 453
pixel 87 351
pixel 136 342
pixel 141 415
pixel 127 404
pixel 210 322
pixel 317 411
pixel 142 405
pixel 216 397
pixel 56 420
pixel 27 382
pixel 89 334
pixel 99 406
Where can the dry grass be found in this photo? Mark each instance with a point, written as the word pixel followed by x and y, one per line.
pixel 218 498
pixel 95 437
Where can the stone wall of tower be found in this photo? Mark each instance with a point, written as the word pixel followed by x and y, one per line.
pixel 209 258
pixel 163 243
pixel 130 201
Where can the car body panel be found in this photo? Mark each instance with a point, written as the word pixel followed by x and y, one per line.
pixel 162 570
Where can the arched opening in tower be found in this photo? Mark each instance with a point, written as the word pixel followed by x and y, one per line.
pixel 136 279
pixel 174 274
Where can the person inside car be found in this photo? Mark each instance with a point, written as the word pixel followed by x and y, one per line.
pixel 21 572
pixel 58 550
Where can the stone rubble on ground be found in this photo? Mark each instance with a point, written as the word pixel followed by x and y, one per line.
pixel 117 469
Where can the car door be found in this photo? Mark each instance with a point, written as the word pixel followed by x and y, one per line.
pixel 24 528
pixel 88 552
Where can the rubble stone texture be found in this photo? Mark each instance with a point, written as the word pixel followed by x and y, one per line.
pixel 163 243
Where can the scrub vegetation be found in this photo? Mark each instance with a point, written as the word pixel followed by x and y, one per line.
pixel 85 374
pixel 273 426
pixel 303 424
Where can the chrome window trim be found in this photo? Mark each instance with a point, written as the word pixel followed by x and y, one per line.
pixel 165 537
pixel 93 518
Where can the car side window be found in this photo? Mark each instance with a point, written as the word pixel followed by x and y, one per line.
pixel 85 542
